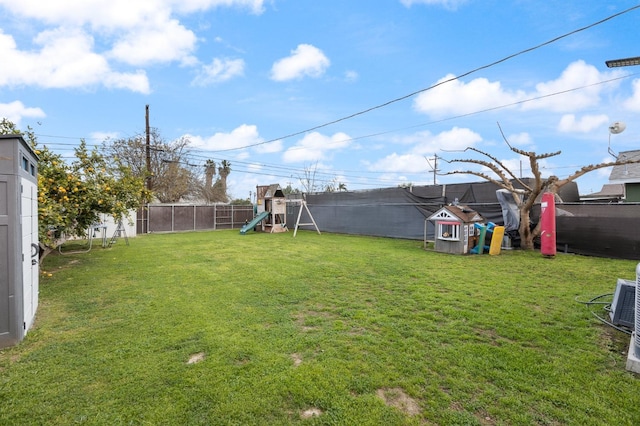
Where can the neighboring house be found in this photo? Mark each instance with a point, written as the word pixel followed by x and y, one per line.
pixel 624 182
pixel 610 192
pixel 627 175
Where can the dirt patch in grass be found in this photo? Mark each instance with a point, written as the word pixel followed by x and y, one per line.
pixel 297 359
pixel 196 358
pixel 492 336
pixel 311 412
pixel 615 342
pixel 306 319
pixel 398 398
pixel 12 359
pixel 485 419
pixel 482 415
pixel 69 265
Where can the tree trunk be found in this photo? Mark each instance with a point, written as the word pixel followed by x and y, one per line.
pixel 526 236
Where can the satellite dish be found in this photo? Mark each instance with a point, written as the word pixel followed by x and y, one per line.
pixel 617 127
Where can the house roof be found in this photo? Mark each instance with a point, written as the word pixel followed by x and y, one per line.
pixel 626 172
pixel 609 191
pixel 459 213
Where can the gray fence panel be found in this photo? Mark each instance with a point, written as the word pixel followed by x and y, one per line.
pixel 606 230
pixel 189 217
pixel 183 218
pixel 205 217
pixel 160 218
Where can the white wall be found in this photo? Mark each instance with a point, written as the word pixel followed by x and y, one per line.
pixel 129 223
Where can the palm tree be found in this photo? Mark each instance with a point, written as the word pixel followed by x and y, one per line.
pixel 223 172
pixel 209 172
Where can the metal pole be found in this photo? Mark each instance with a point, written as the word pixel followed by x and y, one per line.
pixel 148 147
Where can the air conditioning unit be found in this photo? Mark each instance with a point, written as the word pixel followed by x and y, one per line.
pixel 623 305
pixel 633 356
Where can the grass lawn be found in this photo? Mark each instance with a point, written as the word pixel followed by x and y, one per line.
pixel 220 328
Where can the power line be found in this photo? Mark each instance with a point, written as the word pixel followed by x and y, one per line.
pixel 200 154
pixel 370 135
pixel 401 98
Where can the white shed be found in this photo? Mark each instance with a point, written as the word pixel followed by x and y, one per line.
pixel 19 250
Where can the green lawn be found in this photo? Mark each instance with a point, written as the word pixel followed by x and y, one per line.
pixel 318 329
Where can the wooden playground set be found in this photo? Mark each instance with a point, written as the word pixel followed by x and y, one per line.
pixel 270 212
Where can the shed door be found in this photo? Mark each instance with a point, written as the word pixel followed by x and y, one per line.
pixel 29 222
pixel 6 308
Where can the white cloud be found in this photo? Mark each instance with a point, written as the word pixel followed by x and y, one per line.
pixel 424 144
pixel 115 14
pixel 577 74
pixel 456 97
pixel 164 40
pixel 522 139
pixel 134 33
pixel 315 146
pixel 633 103
pixel 98 14
pixel 305 60
pixel 448 4
pixel 16 110
pixel 269 148
pixel 450 140
pixel 65 59
pixel 218 71
pixel 351 76
pixel 241 136
pixel 403 163
pixel 569 123
pixel 255 6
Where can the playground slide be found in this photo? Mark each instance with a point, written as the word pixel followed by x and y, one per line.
pixel 479 248
pixel 496 240
pixel 256 220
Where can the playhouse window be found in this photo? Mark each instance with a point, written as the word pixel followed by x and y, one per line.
pixel 449 231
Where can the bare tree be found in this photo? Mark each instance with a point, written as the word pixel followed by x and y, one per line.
pixel 525 194
pixel 308 181
pixel 170 177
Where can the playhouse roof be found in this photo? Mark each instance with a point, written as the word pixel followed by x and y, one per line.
pixel 274 191
pixel 457 213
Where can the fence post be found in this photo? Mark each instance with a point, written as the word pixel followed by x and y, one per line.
pixel 215 216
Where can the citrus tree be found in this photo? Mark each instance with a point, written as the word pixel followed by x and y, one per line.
pixel 72 195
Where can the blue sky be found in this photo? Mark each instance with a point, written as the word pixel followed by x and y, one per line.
pixel 232 75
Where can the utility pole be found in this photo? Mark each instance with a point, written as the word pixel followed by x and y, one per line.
pixel 148 148
pixel 435 167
